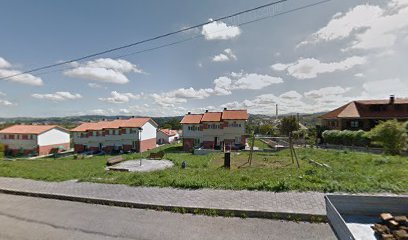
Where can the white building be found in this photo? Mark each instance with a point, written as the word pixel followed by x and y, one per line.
pixel 34 139
pixel 166 136
pixel 214 130
pixel 134 134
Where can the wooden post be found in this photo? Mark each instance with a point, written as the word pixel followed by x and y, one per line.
pixel 252 149
pixel 290 147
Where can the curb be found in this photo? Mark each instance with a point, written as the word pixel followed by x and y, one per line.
pixel 304 217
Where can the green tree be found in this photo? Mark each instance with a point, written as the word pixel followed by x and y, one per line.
pixel 288 125
pixel 267 129
pixel 391 135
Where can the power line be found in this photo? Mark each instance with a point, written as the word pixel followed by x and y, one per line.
pixel 143 41
pixel 190 38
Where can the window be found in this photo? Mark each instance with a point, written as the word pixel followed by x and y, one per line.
pixel 354 123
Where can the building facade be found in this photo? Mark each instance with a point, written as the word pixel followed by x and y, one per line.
pixel 365 114
pixel 215 130
pixel 134 134
pixel 166 136
pixel 35 139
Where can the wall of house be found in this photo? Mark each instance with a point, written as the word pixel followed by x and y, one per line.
pixel 120 137
pixel 149 131
pixel 232 132
pixel 52 137
pixel 54 148
pixel 19 143
pixel 163 138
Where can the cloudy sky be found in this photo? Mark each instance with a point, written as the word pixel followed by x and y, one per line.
pixel 306 59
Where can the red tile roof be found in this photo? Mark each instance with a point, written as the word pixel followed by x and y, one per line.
pixel 169 132
pixel 215 116
pixel 119 123
pixel 364 109
pixel 211 117
pixel 235 115
pixel 191 119
pixel 29 129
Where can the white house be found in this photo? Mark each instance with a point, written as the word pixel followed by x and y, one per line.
pixel 165 136
pixel 133 134
pixel 214 130
pixel 35 139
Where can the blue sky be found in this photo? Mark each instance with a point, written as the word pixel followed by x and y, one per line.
pixel 310 60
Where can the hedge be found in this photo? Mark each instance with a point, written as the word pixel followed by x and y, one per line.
pixel 346 137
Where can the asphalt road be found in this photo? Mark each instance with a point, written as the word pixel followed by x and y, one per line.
pixel 36 218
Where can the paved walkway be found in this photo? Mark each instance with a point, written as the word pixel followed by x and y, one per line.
pixel 306 203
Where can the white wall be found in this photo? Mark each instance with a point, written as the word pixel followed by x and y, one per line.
pixel 149 131
pixel 53 136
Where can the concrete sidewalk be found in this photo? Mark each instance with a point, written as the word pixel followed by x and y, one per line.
pixel 307 206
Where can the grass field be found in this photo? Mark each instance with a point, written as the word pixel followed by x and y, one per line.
pixel 349 172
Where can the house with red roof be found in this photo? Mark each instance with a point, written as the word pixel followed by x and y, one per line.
pixel 133 134
pixel 34 139
pixel 215 130
pixel 365 114
pixel 166 136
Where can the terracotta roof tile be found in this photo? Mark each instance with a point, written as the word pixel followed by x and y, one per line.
pixel 235 115
pixel 169 132
pixel 191 119
pixel 29 129
pixel 211 117
pixel 367 109
pixel 119 123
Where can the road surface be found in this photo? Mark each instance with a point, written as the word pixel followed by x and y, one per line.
pixel 36 218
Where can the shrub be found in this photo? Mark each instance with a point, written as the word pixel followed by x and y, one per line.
pixel 346 137
pixel 391 135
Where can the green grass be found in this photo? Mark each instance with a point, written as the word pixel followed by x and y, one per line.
pixel 350 171
pixel 261 145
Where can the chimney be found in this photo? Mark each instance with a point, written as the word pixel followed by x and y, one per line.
pixel 189 113
pixel 225 109
pixel 206 111
pixel 392 99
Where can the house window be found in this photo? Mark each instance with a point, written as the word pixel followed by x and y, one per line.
pixel 354 124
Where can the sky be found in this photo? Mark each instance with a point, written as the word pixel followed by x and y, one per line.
pixel 304 58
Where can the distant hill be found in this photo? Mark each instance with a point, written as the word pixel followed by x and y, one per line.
pixel 309 120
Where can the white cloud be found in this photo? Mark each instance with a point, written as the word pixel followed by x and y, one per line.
pixel 102 111
pixel 359 75
pixel 252 81
pixel 384 88
pixel 95 85
pixel 369 26
pixel 5 103
pixel 6 71
pixel 325 92
pixel 58 96
pixel 310 67
pixel 280 66
pixel 291 95
pixel 117 97
pixel 4 63
pixel 169 99
pixel 226 56
pixel 104 70
pixel 220 31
